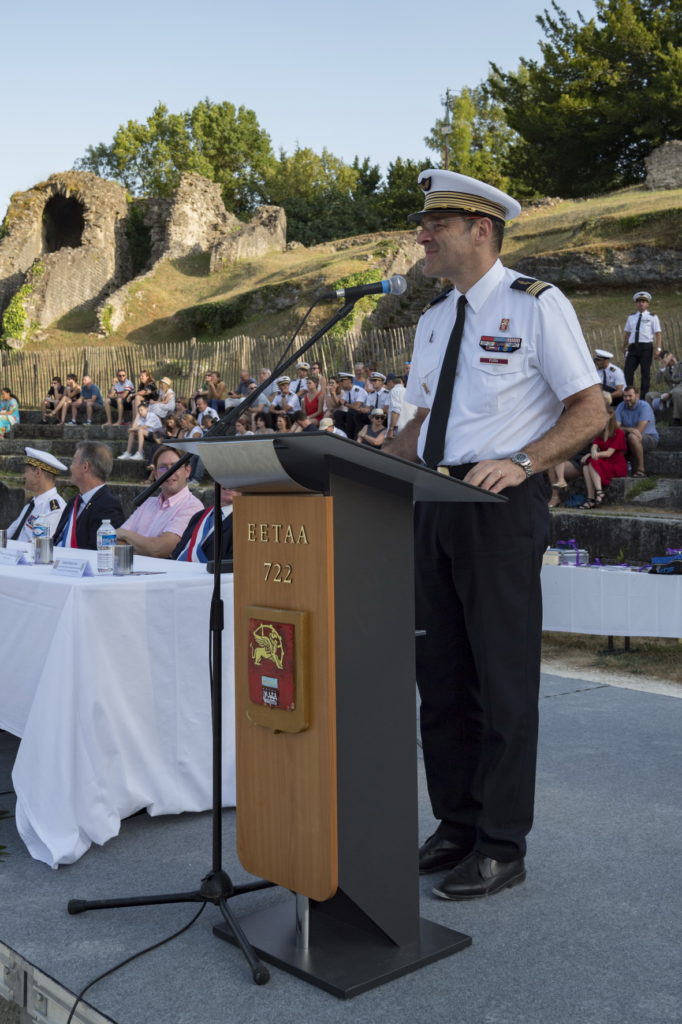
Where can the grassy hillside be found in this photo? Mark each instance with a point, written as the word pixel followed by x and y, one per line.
pixel 625 218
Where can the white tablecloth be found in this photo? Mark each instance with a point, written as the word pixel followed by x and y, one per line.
pixel 105 680
pixel 610 602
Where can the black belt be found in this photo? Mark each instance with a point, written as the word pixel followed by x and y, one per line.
pixel 459 472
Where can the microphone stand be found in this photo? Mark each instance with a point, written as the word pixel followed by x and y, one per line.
pixel 217 886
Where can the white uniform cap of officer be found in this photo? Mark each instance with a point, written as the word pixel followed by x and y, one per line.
pixel 641 295
pixel 375 375
pixel 601 353
pixel 43 460
pixel 283 380
pixel 447 190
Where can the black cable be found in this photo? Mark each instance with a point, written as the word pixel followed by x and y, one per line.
pixel 141 952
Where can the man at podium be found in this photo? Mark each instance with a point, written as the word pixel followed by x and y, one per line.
pixel 505 387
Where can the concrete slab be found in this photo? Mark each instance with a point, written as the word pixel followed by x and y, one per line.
pixel 592 937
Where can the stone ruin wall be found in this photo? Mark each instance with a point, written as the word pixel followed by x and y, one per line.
pixel 664 166
pixel 66 240
pixel 266 232
pixel 195 220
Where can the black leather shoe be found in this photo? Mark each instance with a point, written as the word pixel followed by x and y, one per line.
pixel 480 876
pixel 438 854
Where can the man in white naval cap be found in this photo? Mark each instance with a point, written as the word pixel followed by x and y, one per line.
pixel 612 377
pixel 42 513
pixel 505 387
pixel 641 338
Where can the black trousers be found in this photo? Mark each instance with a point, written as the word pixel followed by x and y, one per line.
pixel 478 596
pixel 639 354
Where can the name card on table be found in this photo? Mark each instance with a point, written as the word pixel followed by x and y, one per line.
pixel 73 567
pixel 13 557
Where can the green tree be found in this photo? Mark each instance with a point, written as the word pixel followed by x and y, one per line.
pixel 478 140
pixel 318 193
pixel 223 143
pixel 400 194
pixel 606 92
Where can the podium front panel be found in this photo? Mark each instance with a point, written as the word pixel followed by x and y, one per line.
pixel 285 680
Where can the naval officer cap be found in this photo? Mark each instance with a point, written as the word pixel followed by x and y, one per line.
pixel 447 190
pixel 641 295
pixel 283 380
pixel 43 460
pixel 601 353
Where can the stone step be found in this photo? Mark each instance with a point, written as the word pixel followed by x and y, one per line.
pixel 62 447
pixel 617 537
pixel 663 463
pixel 660 492
pixel 123 469
pixel 670 438
pixel 52 431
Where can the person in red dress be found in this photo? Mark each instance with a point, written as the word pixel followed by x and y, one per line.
pixel 313 400
pixel 605 460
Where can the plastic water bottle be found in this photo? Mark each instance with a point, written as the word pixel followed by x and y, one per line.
pixel 106 539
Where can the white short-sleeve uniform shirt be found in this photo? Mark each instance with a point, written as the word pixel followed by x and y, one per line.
pixel 520 357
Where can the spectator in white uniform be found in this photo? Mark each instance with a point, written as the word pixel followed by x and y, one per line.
pixel 611 376
pixel 39 517
pixel 641 337
pixel 284 401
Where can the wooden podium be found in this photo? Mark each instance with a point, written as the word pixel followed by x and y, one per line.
pixel 325 702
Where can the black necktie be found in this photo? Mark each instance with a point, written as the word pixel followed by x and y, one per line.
pixel 440 410
pixel 603 373
pixel 639 320
pixel 29 509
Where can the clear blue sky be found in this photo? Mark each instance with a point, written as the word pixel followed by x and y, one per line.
pixel 357 77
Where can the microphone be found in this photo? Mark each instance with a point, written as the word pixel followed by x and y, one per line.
pixel 395 285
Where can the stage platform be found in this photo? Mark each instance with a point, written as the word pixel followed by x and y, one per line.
pixel 592 937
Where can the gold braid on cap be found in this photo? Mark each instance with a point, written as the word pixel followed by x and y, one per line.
pixel 40 465
pixel 463 201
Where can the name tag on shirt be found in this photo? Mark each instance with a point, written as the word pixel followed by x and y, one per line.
pixel 496 344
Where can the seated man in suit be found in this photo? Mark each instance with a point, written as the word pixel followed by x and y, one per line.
pixel 90 469
pixel 196 543
pixel 156 526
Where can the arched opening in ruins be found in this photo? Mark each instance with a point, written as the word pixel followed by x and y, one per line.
pixel 63 223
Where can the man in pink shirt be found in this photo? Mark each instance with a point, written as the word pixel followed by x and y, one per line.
pixel 158 524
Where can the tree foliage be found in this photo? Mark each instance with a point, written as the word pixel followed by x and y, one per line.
pixel 479 139
pixel 607 92
pixel 225 144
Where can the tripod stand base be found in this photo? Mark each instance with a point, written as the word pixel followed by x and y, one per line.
pixel 342 959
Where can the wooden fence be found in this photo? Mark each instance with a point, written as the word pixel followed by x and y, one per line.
pixel 29 373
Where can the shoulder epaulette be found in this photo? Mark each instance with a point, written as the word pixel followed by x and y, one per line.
pixel 438 298
pixel 530 285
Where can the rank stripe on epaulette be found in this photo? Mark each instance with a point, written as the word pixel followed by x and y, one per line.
pixel 530 285
pixel 438 298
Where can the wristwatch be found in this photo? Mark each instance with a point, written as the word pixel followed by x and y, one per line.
pixel 522 460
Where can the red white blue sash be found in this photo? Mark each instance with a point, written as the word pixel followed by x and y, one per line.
pixel 193 550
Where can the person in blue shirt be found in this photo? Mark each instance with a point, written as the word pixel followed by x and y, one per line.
pixel 637 419
pixel 90 397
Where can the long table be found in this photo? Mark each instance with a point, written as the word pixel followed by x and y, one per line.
pixel 610 601
pixel 105 680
